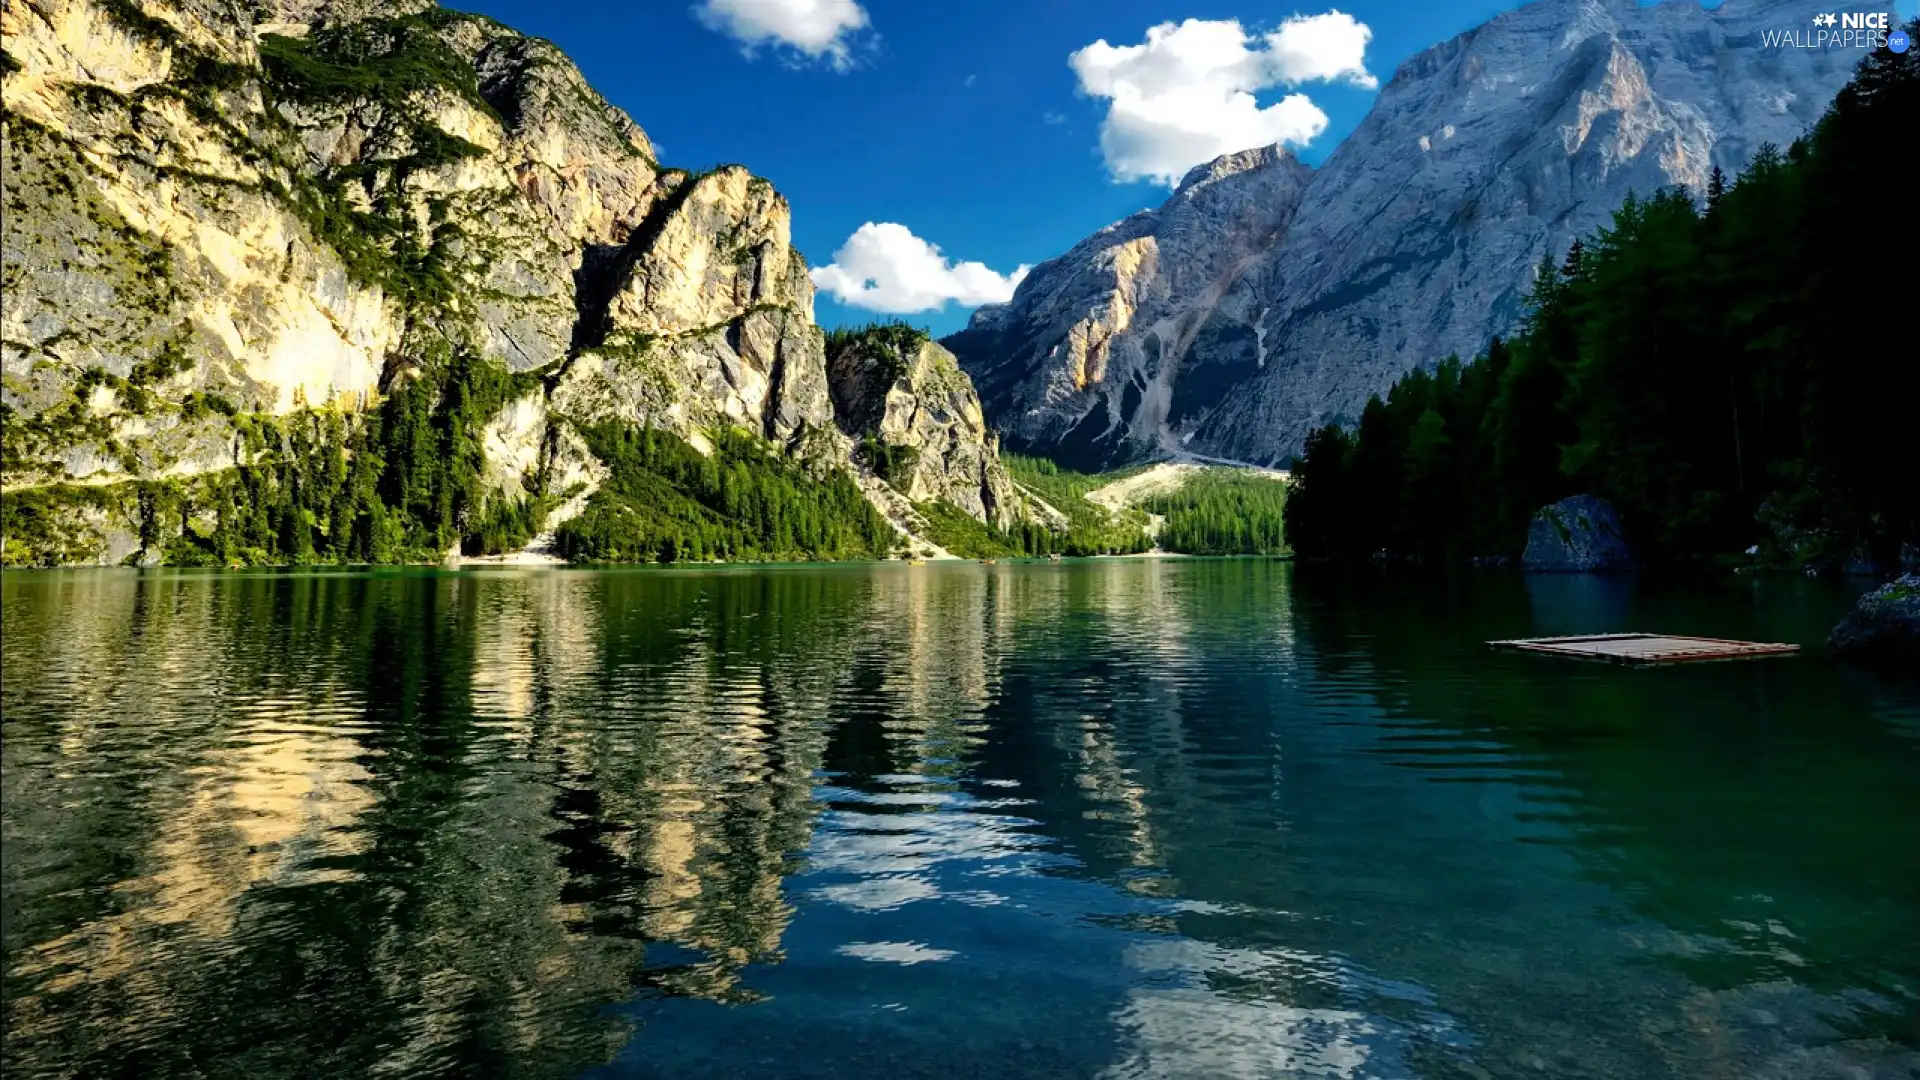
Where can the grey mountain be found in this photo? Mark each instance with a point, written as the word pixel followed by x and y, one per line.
pixel 1265 298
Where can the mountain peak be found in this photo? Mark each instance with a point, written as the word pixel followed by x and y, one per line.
pixel 1260 302
pixel 1240 161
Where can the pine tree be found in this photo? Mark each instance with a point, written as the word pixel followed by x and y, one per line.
pixel 1686 364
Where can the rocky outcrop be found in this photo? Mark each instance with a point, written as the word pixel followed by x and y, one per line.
pixel 918 423
pixel 703 317
pixel 1884 626
pixel 1579 533
pixel 202 205
pixel 216 212
pixel 1114 348
pixel 1417 239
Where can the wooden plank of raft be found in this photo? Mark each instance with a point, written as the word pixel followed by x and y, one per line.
pixel 1647 648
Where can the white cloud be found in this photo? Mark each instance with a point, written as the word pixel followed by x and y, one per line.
pixel 814 29
pixel 884 267
pixel 1186 94
pixel 1327 47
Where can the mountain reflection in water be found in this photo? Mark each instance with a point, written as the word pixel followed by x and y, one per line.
pixel 1127 818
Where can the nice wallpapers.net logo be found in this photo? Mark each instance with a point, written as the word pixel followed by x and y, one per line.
pixel 1845 30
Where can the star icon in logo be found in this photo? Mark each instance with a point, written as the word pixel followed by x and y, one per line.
pixel 1830 18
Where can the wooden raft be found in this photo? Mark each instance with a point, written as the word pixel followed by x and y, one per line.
pixel 1647 648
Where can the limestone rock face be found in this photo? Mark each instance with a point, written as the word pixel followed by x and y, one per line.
pixel 143 242
pixel 582 163
pixel 1883 627
pixel 1417 239
pixel 913 396
pixel 719 246
pixel 703 316
pixel 1121 343
pixel 1580 533
pixel 194 208
pixel 215 210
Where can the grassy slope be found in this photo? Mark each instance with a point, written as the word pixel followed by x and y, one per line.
pixel 1092 528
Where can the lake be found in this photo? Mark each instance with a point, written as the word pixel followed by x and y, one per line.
pixel 1124 818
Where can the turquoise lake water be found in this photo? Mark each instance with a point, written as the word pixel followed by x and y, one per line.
pixel 1129 818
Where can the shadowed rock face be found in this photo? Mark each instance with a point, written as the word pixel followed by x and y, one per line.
pixel 1579 533
pixel 1884 626
pixel 285 205
pixel 1417 238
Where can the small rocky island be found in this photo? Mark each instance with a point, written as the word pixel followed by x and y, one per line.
pixel 1884 626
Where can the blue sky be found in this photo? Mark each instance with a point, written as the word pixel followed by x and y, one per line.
pixel 963 122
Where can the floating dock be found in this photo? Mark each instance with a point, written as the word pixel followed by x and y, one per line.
pixel 1647 648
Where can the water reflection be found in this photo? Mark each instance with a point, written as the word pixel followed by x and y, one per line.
pixel 1122 819
pixel 1747 822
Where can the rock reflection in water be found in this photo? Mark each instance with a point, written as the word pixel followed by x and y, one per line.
pixel 1120 819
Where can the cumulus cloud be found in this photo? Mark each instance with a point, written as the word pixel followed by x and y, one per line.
pixel 1186 94
pixel 884 267
pixel 1328 47
pixel 811 29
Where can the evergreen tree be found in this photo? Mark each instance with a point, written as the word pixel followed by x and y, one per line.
pixel 1725 375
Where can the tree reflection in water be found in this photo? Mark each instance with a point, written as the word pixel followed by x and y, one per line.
pixel 1223 818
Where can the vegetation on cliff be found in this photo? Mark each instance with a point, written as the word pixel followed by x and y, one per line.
pixel 666 502
pixel 384 60
pixel 1725 374
pixel 890 343
pixel 892 462
pixel 400 483
pixel 1091 529
pixel 396 63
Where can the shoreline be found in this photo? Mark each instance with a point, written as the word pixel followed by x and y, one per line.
pixel 535 561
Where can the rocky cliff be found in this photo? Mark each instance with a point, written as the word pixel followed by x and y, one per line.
pixel 1109 350
pixel 918 422
pixel 219 216
pixel 1291 296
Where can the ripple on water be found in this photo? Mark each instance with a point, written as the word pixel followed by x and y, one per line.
pixel 1120 819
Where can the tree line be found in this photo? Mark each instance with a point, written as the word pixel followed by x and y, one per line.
pixel 406 482
pixel 1214 513
pixel 1729 373
pixel 1091 529
pixel 1223 513
pixel 400 483
pixel 665 501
